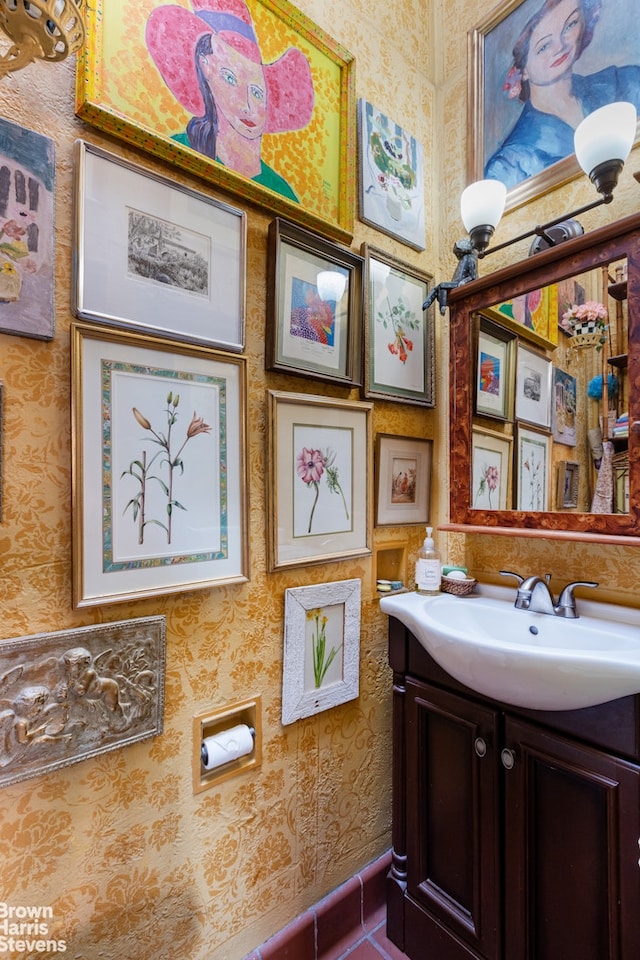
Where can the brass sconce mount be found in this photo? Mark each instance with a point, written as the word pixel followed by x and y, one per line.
pixel 39 30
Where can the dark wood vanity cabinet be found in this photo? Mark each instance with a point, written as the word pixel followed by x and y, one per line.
pixel 515 833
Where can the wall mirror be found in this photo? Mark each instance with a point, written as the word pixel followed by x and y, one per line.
pixel 545 413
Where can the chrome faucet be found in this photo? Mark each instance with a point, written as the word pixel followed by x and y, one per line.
pixel 534 594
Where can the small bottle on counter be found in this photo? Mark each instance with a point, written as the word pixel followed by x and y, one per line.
pixel 428 567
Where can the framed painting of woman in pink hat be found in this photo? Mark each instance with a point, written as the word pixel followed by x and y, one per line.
pixel 235 91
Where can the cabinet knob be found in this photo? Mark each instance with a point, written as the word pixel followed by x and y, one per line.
pixel 508 758
pixel 480 746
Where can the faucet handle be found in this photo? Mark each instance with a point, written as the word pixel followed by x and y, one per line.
pixel 567 601
pixel 510 573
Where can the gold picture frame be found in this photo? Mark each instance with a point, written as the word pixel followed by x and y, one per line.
pixel 120 89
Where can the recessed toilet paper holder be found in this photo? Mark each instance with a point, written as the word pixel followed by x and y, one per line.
pixel 226 741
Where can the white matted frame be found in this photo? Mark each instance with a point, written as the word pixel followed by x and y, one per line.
pixel 491 456
pixel 321 648
pixel 159 473
pixel 533 387
pixel 318 480
pixel 399 335
pixel 533 452
pixel 155 255
pixel 403 479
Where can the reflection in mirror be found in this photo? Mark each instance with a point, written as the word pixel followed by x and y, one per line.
pixel 545 375
pixel 543 424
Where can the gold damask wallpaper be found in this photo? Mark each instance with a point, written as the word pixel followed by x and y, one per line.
pixel 124 857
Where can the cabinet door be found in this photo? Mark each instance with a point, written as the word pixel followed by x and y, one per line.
pixel 572 880
pixel 452 824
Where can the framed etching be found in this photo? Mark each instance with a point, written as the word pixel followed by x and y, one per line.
pixel 155 255
pixel 321 648
pixel 27 202
pixel 513 78
pixel 314 306
pixel 403 480
pixel 564 408
pixel 391 175
pixel 494 370
pixel 491 456
pixel 318 486
pixel 399 334
pixel 159 473
pixel 141 78
pixel 568 485
pixel 533 387
pixel 533 449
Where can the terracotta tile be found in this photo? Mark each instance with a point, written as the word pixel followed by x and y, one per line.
pixel 374 890
pixel 364 951
pixel 389 948
pixel 296 941
pixel 338 917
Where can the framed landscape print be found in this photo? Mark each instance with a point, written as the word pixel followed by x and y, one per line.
pixel 403 479
pixel 391 170
pixel 494 370
pixel 321 648
pixel 564 406
pixel 514 138
pixel 399 334
pixel 145 64
pixel 491 456
pixel 27 202
pixel 314 305
pixel 159 472
pixel 568 484
pixel 533 387
pixel 533 448
pixel 318 486
pixel 152 254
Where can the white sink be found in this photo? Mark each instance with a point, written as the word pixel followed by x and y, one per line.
pixel 531 660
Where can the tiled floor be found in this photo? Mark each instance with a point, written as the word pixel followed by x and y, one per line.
pixel 349 924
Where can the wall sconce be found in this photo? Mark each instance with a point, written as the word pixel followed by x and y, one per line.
pixel 39 30
pixel 331 284
pixel 602 143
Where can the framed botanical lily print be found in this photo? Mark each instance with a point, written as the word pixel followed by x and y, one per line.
pixel 533 453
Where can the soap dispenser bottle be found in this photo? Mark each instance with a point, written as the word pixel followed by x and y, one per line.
pixel 428 568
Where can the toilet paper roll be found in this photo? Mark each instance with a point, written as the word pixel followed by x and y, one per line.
pixel 228 745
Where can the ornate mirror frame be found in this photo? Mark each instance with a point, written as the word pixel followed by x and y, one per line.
pixel 586 252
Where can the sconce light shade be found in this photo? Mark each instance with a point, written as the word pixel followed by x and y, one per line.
pixel 603 141
pixel 481 207
pixel 331 284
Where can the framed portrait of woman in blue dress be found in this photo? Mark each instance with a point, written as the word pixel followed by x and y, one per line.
pixel 538 68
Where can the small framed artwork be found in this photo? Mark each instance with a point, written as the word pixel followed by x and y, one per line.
pixel 27 208
pixel 491 458
pixel 403 480
pixel 399 334
pixel 314 304
pixel 533 387
pixel 391 177
pixel 495 370
pixel 516 137
pixel 318 487
pixel 321 648
pixel 533 449
pixel 531 316
pixel 157 256
pixel 159 472
pixel 564 408
pixel 568 482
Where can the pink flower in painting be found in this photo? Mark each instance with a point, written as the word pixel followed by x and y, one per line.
pixel 310 465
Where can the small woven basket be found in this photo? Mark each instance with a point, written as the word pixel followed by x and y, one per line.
pixel 459 588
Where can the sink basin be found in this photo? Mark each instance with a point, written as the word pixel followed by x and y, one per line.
pixel 527 659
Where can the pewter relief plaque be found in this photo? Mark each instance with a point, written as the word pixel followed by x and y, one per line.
pixel 73 694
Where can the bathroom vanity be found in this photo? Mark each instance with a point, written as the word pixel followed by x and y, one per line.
pixel 516 832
